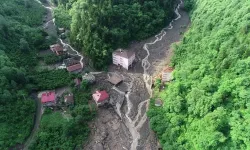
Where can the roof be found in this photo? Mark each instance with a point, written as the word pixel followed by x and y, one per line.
pixel 70 61
pixel 48 97
pixel 168 70
pixel 74 67
pixel 60 29
pixel 125 54
pixel 77 81
pixel 69 98
pixel 56 47
pixel 102 95
pixel 158 102
pixel 89 77
pixel 114 79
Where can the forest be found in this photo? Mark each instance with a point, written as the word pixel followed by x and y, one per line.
pixel 21 39
pixel 100 27
pixel 207 105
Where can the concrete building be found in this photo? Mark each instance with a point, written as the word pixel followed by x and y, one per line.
pixel 123 58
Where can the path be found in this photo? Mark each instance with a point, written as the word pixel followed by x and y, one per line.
pixel 36 123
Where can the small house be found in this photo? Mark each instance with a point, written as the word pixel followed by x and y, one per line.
pixel 100 97
pixel 70 61
pixel 114 79
pixel 123 58
pixel 74 68
pixel 57 48
pixel 69 99
pixel 48 98
pixel 90 78
pixel 167 74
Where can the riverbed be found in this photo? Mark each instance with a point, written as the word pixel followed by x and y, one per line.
pixel 124 124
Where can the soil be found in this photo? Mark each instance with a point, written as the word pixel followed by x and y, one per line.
pixel 123 124
pixel 114 127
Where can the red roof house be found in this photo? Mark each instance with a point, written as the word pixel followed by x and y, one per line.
pixel 75 67
pixel 56 48
pixel 48 97
pixel 100 97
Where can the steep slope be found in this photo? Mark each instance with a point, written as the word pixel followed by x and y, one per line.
pixel 207 105
pixel 20 37
pixel 99 27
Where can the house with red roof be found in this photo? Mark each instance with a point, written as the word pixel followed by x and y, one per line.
pixel 100 97
pixel 75 68
pixel 48 98
pixel 57 48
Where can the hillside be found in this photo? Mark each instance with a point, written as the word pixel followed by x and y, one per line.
pixel 20 37
pixel 207 104
pixel 100 27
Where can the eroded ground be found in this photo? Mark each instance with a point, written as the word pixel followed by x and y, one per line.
pixel 124 125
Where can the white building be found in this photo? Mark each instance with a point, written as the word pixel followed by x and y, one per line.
pixel 167 74
pixel 123 58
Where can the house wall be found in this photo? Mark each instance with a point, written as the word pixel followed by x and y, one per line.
pixel 131 60
pixel 166 76
pixel 124 62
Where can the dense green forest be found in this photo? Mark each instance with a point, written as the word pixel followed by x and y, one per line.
pixel 19 39
pixel 207 105
pixel 99 27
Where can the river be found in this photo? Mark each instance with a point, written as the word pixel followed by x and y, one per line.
pixel 134 116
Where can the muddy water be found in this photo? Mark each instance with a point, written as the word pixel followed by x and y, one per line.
pixel 131 131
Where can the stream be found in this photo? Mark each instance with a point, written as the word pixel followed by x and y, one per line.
pixel 134 130
pixel 133 125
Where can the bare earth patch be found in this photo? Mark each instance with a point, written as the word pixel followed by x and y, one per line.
pixel 116 126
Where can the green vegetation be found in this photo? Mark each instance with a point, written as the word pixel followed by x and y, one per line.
pixel 19 39
pixel 59 133
pixel 48 80
pixel 53 58
pixel 62 17
pixel 207 105
pixel 16 110
pixel 99 27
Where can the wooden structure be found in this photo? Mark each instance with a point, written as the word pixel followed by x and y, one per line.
pixel 57 48
pixel 114 79
pixel 69 99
